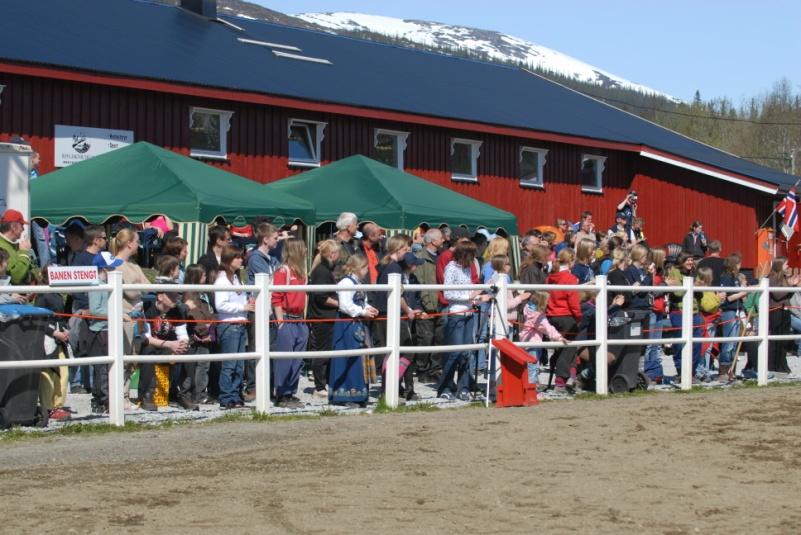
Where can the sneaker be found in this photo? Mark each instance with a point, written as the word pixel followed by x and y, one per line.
pixel 447 396
pixel 186 403
pixel 99 408
pixel 249 395
pixel 58 413
pixel 321 394
pixel 412 396
pixel 228 405
pixel 464 396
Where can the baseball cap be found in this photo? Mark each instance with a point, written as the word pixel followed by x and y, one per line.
pixel 13 216
pixel 487 234
pixel 105 260
pixel 409 259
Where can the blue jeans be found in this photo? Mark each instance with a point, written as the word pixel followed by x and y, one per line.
pixel 458 330
pixel 42 244
pixel 698 331
pixel 482 334
pixel 534 369
pixel 652 367
pixel 232 339
pixel 731 327
pixel 286 372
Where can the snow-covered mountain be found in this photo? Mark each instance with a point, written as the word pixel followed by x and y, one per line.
pixel 496 45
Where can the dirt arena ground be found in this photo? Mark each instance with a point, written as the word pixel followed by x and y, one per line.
pixel 716 461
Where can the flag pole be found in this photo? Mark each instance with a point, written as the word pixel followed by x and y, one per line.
pixel 774 211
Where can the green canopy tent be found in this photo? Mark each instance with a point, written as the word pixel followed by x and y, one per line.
pixel 389 197
pixel 143 180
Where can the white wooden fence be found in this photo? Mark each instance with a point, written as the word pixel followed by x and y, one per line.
pixel 116 359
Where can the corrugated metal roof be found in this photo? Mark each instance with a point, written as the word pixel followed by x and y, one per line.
pixel 154 41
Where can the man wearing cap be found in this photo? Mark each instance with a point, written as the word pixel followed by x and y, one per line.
pixel 20 265
pixel 620 228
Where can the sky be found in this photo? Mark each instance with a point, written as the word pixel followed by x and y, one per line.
pixel 735 48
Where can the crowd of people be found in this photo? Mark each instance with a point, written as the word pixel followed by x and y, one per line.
pixel 167 322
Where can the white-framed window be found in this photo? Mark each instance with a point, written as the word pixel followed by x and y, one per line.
pixel 532 161
pixel 390 146
pixel 592 172
pixel 464 159
pixel 208 133
pixel 305 139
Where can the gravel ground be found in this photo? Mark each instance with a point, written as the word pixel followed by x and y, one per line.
pixel 719 461
pixel 80 403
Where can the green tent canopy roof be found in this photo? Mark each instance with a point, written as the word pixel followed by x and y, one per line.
pixel 389 197
pixel 143 180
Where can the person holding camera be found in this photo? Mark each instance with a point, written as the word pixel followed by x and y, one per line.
pixel 628 208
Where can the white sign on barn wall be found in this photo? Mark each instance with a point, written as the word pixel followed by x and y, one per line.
pixel 78 143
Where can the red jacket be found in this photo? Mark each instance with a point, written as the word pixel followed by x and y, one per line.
pixel 563 302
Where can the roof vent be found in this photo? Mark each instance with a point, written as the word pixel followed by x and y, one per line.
pixel 204 8
pixel 268 44
pixel 300 58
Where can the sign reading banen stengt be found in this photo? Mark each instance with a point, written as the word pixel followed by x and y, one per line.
pixel 72 275
pixel 78 143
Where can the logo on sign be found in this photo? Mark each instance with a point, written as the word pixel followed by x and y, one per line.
pixel 80 144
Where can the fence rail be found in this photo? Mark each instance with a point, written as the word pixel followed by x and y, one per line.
pixel 262 290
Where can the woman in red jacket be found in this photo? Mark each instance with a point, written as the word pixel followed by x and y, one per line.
pixel 564 313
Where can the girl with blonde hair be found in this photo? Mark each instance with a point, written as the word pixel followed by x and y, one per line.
pixel 347 384
pixel 291 335
pixel 322 306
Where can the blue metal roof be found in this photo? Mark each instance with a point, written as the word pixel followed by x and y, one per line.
pixel 154 41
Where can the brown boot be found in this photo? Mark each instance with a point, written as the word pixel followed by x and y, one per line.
pixel 723 373
pixel 147 402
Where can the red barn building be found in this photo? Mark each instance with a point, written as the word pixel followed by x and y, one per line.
pixel 266 101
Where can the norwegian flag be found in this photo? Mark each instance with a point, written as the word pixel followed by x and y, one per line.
pixel 788 209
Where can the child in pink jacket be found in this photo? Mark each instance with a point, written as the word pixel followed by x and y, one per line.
pixel 535 325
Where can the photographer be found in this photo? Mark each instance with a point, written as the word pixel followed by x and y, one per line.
pixel 628 208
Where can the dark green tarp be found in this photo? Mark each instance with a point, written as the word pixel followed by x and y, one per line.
pixel 142 180
pixel 389 197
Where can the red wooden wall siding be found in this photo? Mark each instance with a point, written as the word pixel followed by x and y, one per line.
pixel 670 198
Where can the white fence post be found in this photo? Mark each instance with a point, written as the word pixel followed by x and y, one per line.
pixel 393 341
pixel 687 334
pixel 261 331
pixel 601 335
pixel 763 331
pixel 116 370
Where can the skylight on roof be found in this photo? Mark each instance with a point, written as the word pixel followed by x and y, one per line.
pixel 265 43
pixel 229 24
pixel 301 58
